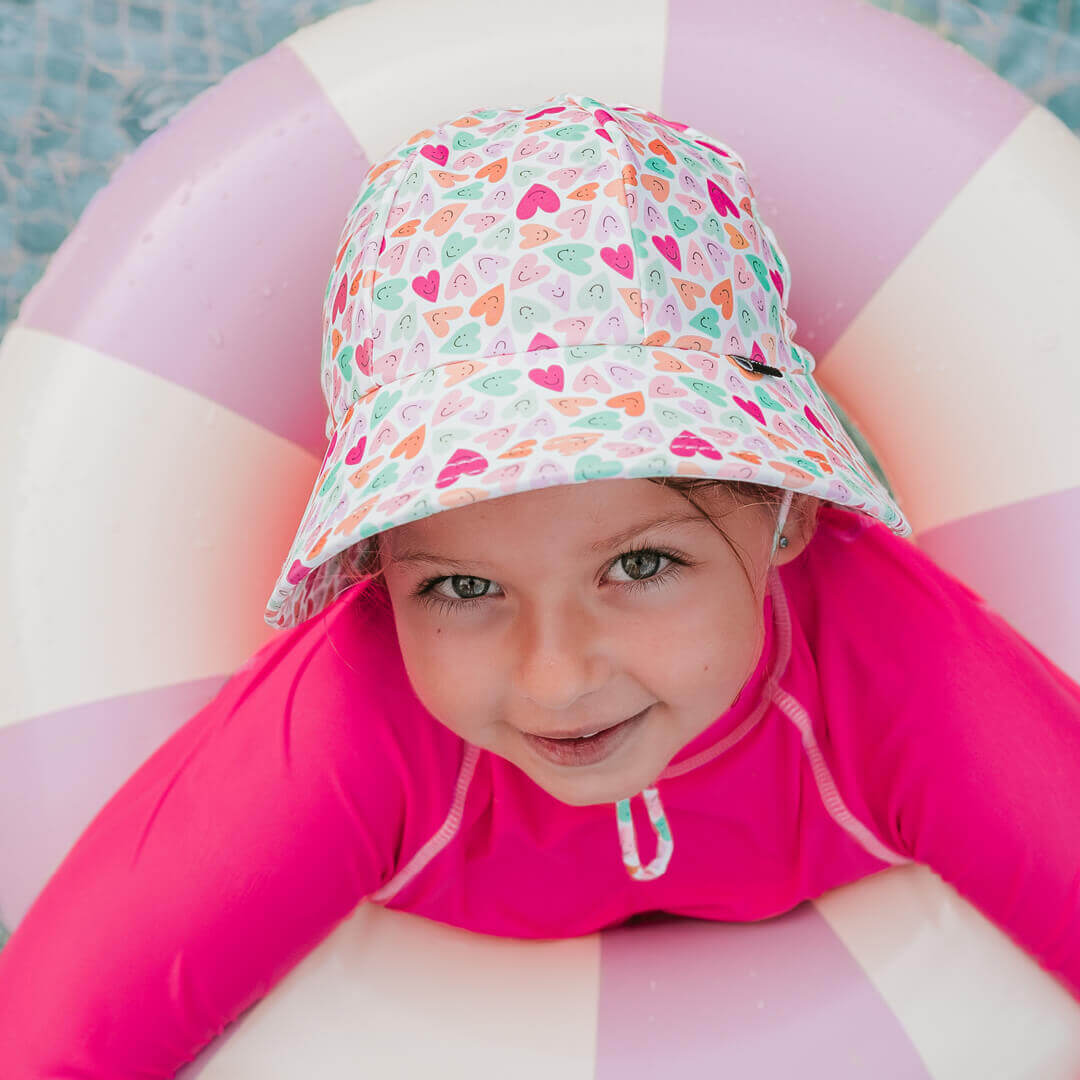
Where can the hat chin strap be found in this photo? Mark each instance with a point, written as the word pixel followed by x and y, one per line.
pixel 665 844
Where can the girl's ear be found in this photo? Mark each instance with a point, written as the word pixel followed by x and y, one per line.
pixel 799 528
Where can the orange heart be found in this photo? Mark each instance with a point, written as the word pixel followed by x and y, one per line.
pixel 616 188
pixel 354 288
pixel 747 456
pixel 585 191
pixel 737 238
pixel 632 299
pixel 692 341
pixel 319 545
pixel 377 170
pixel 411 445
pixel 572 444
pixel 749 376
pixel 657 185
pixel 820 458
pixel 633 403
pixel 358 515
pixel 490 304
pixel 341 253
pixel 744 202
pixel 667 362
pixel 406 228
pixel 521 449
pixel 448 179
pixel 658 146
pixel 629 174
pixel 438 319
pixel 461 369
pixel 466 121
pixel 335 341
pixel 688 290
pixel 534 235
pixel 637 144
pixel 362 476
pixel 493 172
pixel 723 295
pixel 780 442
pixel 444 217
pixel 657 337
pixel 571 406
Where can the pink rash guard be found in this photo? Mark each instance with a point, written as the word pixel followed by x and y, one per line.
pixel 920 728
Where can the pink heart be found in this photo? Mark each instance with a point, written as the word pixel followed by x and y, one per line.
pixel 427 285
pixel 463 463
pixel 722 201
pixel 356 454
pixel 341 299
pixel 812 417
pixel 687 444
pixel 778 281
pixel 541 341
pixel 751 407
pixel 526 270
pixel 539 196
pixel 550 378
pixel 669 249
pixel 438 154
pixel 620 259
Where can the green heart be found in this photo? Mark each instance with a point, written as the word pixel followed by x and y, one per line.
pixel 669 417
pixel 707 321
pixel 468 191
pixel 501 238
pixel 712 225
pixel 589 153
pixel 525 174
pixel 761 271
pixel 448 438
pixel 577 353
pixel 680 223
pixel 499 383
pixel 387 293
pixel 412 181
pixel 766 400
pixel 572 257
pixel 526 312
pixel 591 467
pixel 331 476
pixel 463 140
pixel 455 245
pixel 710 391
pixel 522 407
pixel 805 463
pixel 572 132
pixel 640 243
pixel 343 360
pixel 601 421
pixel 594 294
pixel 485 114
pixel 405 327
pixel 385 476
pixel 465 339
pixel 659 165
pixel 384 401
pixel 747 320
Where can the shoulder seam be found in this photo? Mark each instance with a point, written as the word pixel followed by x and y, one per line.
pixel 442 837
pixel 830 795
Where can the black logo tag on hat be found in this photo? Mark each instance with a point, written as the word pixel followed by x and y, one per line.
pixel 756 365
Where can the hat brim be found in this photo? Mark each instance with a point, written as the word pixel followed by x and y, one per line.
pixel 483 427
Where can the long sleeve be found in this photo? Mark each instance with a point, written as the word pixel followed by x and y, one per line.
pixel 962 737
pixel 226 857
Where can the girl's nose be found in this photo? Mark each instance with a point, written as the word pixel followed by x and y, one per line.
pixel 559 655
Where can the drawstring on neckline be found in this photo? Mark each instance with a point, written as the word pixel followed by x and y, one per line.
pixel 628 840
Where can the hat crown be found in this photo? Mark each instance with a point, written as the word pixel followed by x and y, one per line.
pixel 558 226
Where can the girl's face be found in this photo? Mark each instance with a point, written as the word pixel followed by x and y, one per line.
pixel 535 619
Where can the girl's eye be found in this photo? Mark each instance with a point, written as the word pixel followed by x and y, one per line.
pixel 640 561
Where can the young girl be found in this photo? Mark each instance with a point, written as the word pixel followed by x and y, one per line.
pixel 585 529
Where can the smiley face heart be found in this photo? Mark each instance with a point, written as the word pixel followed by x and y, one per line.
pixel 551 378
pixel 538 197
pixel 669 248
pixel 439 154
pixel 427 285
pixel 687 444
pixel 464 462
pixel 620 259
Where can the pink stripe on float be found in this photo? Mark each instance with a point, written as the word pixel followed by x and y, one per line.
pixel 63 767
pixel 858 127
pixel 778 999
pixel 206 257
pixel 1022 560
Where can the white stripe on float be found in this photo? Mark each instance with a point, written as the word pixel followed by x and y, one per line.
pixel 395 67
pixel 961 370
pixel 972 1002
pixel 128 564
pixel 395 995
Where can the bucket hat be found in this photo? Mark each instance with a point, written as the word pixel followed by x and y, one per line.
pixel 554 293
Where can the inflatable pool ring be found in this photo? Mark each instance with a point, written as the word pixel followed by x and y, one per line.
pixel 166 337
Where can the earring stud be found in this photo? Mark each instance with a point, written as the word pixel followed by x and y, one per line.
pixel 783 541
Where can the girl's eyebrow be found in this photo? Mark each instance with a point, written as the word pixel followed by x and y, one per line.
pixel 682 517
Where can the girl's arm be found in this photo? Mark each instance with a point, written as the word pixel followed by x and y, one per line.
pixel 225 858
pixel 964 738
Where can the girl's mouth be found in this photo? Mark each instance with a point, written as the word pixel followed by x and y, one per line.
pixel 589 749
